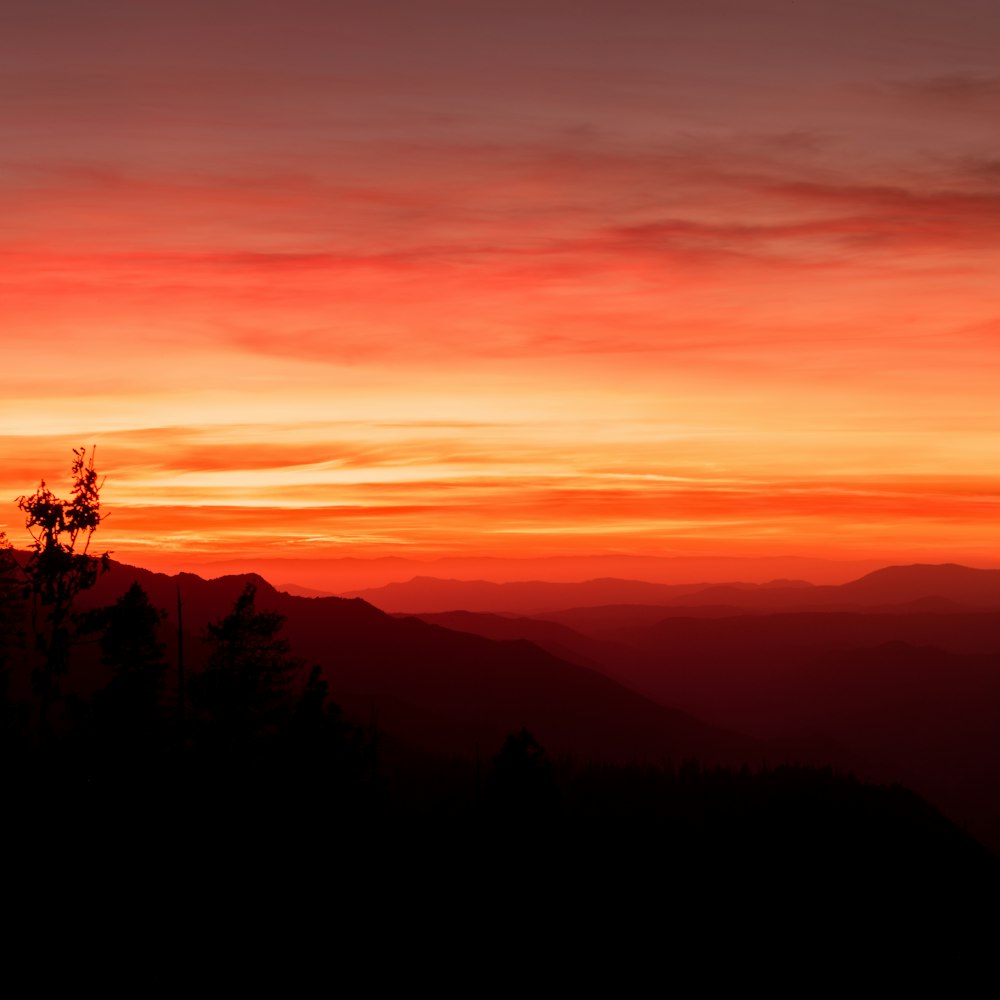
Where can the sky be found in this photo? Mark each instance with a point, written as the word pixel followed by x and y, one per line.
pixel 422 279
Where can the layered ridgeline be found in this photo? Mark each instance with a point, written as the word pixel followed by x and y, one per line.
pixel 922 587
pixel 439 688
pixel 900 668
pixel 591 722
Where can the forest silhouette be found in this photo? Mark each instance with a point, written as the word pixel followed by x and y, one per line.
pixel 120 712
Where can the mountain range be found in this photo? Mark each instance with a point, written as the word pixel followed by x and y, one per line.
pixel 893 675
pixel 933 587
pixel 446 690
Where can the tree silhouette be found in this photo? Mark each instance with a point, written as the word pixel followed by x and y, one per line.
pixel 521 782
pixel 327 749
pixel 59 567
pixel 246 687
pixel 130 644
pixel 127 710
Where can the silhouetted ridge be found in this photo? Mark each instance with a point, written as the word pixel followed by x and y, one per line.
pixel 885 588
pixel 951 581
pixel 429 595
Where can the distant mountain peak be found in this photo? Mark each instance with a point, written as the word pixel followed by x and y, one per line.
pixel 962 584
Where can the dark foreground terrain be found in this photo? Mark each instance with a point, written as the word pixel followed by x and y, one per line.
pixel 481 768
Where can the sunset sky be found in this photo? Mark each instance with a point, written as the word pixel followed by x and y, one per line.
pixel 423 278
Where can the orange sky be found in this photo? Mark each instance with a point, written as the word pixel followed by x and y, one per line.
pixel 420 279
